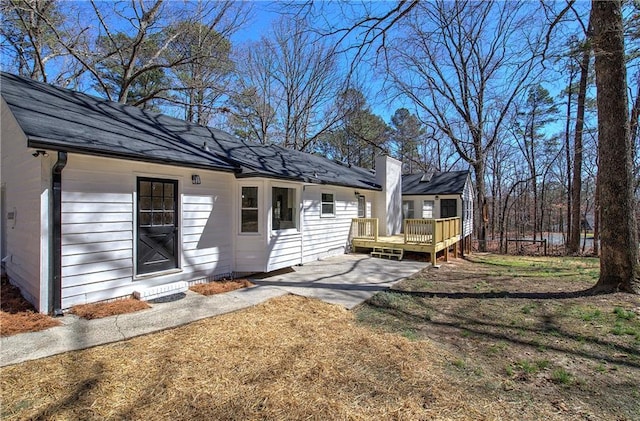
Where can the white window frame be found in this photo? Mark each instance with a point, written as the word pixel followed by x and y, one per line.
pixel 256 208
pixel 362 211
pixel 294 207
pixel 425 210
pixel 410 209
pixel 332 214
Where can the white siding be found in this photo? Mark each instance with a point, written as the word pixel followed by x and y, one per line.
pixel 26 179
pixel 99 235
pixel 284 248
pixel 467 197
pixel 250 248
pixel 326 236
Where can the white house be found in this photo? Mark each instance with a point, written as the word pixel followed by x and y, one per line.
pixel 440 195
pixel 100 200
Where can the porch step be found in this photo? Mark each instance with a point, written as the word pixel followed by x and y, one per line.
pixel 388 252
pixel 159 291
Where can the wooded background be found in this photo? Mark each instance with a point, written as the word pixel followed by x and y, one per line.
pixel 505 89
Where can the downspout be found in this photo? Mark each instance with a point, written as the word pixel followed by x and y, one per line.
pixel 55 280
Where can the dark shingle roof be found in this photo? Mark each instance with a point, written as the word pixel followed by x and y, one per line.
pixel 61 119
pixel 451 182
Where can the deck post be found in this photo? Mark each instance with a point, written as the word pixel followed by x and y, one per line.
pixel 446 254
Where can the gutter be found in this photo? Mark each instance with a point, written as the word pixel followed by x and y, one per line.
pixel 55 278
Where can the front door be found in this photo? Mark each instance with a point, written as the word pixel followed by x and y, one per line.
pixel 157 225
pixel 448 208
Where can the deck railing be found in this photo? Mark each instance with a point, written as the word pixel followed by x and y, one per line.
pixel 416 231
pixel 419 230
pixel 447 228
pixel 365 228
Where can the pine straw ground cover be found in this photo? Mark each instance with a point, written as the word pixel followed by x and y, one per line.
pixel 106 309
pixel 17 315
pixel 289 358
pixel 219 287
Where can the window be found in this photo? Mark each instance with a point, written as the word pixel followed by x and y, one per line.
pixel 328 205
pixel 249 210
pixel 283 215
pixel 157 228
pixel 407 209
pixel 448 208
pixel 362 207
pixel 427 209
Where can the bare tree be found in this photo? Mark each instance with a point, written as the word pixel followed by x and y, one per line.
pixel 619 242
pixel 30 32
pixel 459 63
pixel 287 85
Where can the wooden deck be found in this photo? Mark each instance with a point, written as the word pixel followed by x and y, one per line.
pixel 420 235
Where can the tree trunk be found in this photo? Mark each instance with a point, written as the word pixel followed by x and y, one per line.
pixel 574 237
pixel 482 205
pixel 619 245
pixel 568 157
pixel 596 220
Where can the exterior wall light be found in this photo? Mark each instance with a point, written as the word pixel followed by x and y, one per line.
pixel 195 179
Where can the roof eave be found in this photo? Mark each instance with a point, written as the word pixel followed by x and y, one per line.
pixel 35 142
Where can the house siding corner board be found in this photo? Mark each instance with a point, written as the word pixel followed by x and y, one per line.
pixel 26 194
pixel 99 227
pixel 467 198
pixel 327 236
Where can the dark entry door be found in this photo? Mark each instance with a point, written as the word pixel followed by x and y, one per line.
pixel 157 225
pixel 448 208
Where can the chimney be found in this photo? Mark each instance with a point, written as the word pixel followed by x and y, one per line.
pixel 389 203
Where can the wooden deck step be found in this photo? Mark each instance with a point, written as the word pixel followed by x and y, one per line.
pixel 387 252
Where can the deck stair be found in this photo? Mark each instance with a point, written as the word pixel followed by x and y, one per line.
pixel 388 252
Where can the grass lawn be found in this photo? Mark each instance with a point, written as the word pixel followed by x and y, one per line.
pixel 519 330
pixel 498 338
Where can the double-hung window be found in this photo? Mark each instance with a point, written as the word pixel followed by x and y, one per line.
pixel 328 205
pixel 407 209
pixel 249 210
pixel 427 209
pixel 362 207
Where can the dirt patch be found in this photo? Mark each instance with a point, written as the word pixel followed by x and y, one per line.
pixel 523 330
pixel 290 358
pixel 17 315
pixel 219 287
pixel 112 308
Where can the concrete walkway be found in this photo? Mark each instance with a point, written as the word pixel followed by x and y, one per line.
pixel 346 280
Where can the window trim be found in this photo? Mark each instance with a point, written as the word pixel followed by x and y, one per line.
pixel 257 209
pixel 295 209
pixel 411 208
pixel 362 214
pixel 332 202
pixel 433 206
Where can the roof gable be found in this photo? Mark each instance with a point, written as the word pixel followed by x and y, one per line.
pixel 450 182
pixel 61 119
